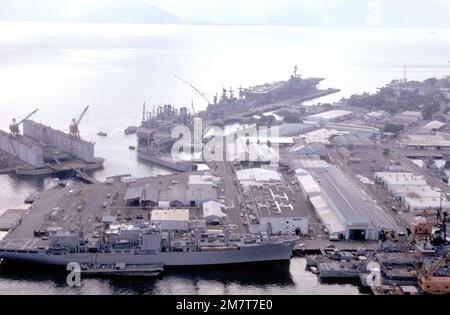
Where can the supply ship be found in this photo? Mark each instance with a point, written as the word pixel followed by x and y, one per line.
pixel 128 226
pixel 146 248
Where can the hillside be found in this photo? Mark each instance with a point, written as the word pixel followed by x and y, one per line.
pixel 140 13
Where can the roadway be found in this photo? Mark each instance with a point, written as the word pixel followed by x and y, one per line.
pixel 230 191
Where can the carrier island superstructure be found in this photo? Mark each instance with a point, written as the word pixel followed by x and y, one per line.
pixel 125 227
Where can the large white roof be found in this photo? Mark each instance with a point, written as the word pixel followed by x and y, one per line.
pixel 307 182
pixel 170 215
pixel 331 114
pixel 427 140
pixel 327 216
pixel 255 176
pixel 213 208
pixel 434 125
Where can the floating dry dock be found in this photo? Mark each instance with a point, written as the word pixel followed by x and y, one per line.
pixel 43 150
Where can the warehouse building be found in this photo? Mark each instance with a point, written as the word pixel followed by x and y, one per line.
pixel 352 141
pixel 406 118
pixel 431 128
pixel 330 116
pixel 309 150
pixel 346 211
pixel 426 142
pixel 257 177
pixel 376 115
pixel 213 212
pixel 271 205
pixel 293 129
pixel 171 220
pixel 190 192
pixel 269 141
pixel 412 191
pixel 308 185
pixel 357 130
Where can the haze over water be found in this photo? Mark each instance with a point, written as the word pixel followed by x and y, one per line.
pixel 114 68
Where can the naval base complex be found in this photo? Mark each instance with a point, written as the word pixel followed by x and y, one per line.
pixel 361 191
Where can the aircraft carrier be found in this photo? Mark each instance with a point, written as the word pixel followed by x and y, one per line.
pixel 294 90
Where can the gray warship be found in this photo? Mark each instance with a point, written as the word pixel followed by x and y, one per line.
pixel 156 126
pixel 295 90
pixel 143 248
pixel 125 227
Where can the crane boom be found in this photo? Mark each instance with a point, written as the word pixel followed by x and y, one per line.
pixel 82 115
pixel 14 126
pixel 26 117
pixel 143 113
pixel 193 108
pixel 203 95
pixel 438 265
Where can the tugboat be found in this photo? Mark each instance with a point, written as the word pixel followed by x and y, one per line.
pixel 131 130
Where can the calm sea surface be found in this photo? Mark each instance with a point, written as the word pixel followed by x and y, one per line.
pixel 61 68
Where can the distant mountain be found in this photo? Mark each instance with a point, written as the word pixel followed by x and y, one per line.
pixel 325 13
pixel 140 13
pixel 307 13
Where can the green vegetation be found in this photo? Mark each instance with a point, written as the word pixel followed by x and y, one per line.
pixel 426 96
pixel 292 119
pixel 393 128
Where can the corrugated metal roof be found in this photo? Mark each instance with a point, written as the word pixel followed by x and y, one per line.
pixel 327 216
pixel 151 193
pixel 213 208
pixel 331 114
pixel 348 201
pixel 134 193
pixel 434 125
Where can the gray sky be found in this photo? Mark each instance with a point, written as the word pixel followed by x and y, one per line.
pixel 407 13
pixel 403 13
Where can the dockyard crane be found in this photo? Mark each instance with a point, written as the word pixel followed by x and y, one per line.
pixel 74 131
pixel 435 284
pixel 14 126
pixel 203 95
pixel 193 108
pixel 143 113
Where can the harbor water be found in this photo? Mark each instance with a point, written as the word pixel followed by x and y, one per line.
pixel 61 68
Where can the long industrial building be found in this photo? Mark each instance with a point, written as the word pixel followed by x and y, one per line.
pixel 412 191
pixel 191 191
pixel 335 115
pixel 347 212
pixel 426 142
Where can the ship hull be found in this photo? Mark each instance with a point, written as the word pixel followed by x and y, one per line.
pixel 265 253
pixel 171 165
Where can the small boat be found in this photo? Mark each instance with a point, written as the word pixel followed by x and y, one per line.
pixel 314 270
pixel 32 197
pixel 131 130
pixel 102 134
pixel 132 147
